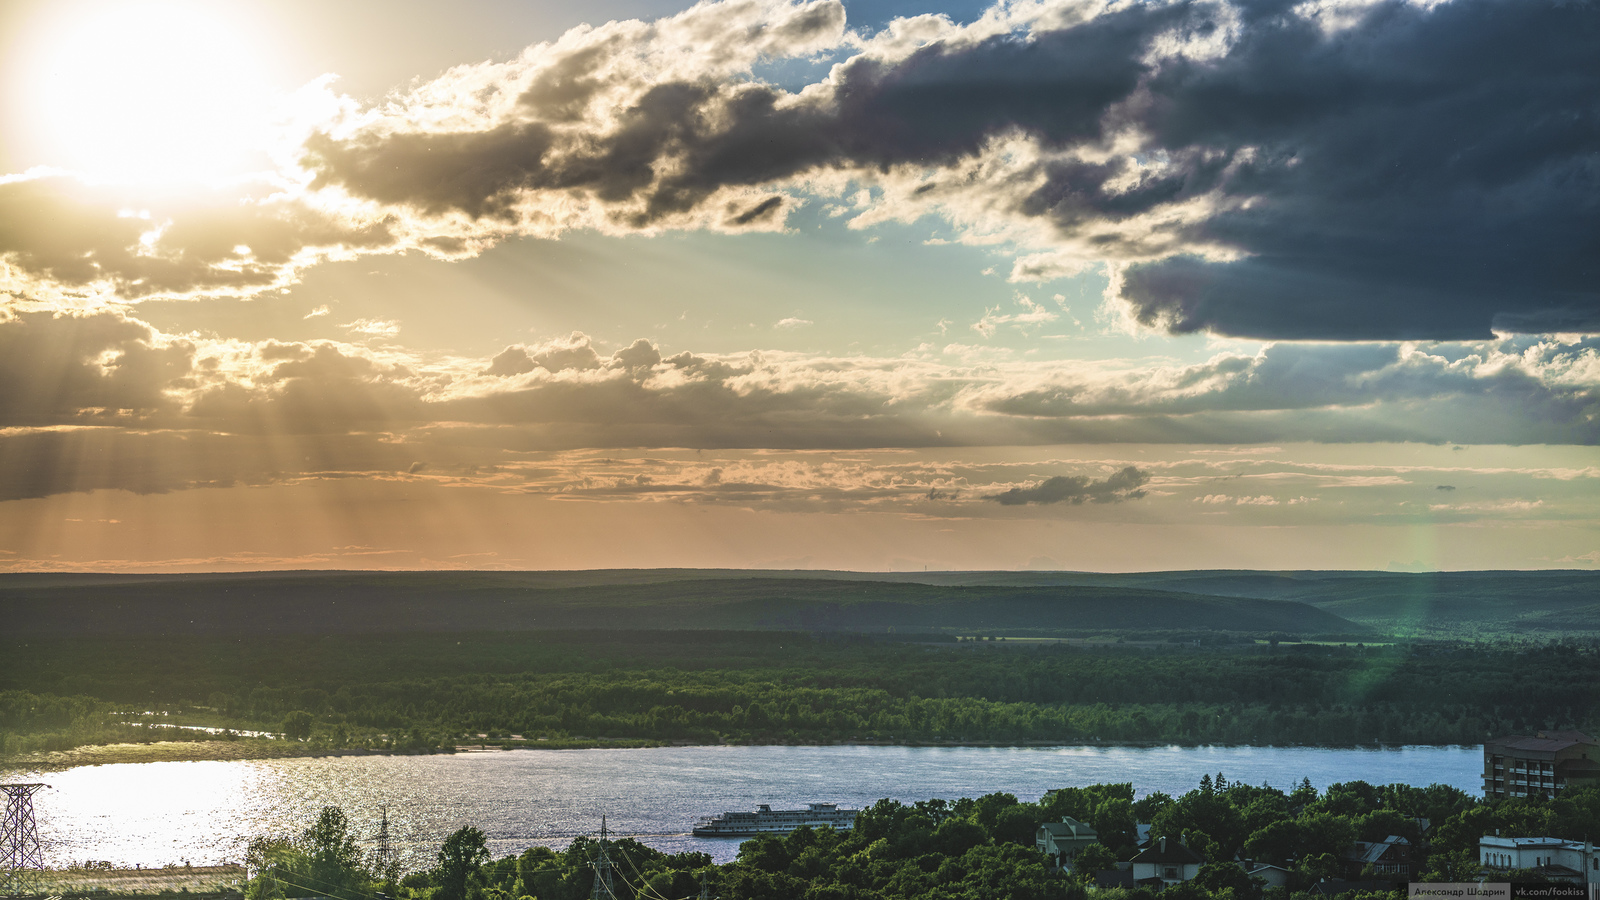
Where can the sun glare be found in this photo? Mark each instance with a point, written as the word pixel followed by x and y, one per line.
pixel 147 92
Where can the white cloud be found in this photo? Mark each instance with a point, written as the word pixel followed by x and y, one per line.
pixel 1033 314
pixel 373 327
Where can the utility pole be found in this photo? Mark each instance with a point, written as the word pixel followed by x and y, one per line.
pixel 20 858
pixel 602 889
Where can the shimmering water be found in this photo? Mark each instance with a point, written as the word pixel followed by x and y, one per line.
pixel 205 812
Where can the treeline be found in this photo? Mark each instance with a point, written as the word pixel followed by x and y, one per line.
pixel 775 687
pixel 963 850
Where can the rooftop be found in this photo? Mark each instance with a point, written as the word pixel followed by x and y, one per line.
pixel 1495 840
pixel 1543 742
pixel 1167 851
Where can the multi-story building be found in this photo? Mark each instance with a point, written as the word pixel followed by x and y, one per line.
pixel 1552 858
pixel 1542 765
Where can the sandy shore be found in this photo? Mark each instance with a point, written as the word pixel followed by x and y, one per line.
pixel 180 751
pixel 163 751
pixel 195 879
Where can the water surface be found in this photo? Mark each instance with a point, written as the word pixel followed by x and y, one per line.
pixel 205 812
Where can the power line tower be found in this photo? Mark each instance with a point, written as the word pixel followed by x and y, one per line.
pixel 385 851
pixel 20 858
pixel 603 889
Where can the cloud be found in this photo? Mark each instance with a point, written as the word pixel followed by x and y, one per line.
pixel 792 322
pixel 85 382
pixel 67 243
pixel 1077 489
pixel 1518 387
pixel 1389 170
pixel 1245 169
pixel 107 367
pixel 1032 314
pixel 373 327
pixel 85 369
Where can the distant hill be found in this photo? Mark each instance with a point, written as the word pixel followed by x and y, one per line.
pixel 1455 604
pixel 1444 604
pixel 373 602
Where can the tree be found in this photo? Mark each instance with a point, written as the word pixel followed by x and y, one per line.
pixel 765 852
pixel 323 860
pixel 1276 841
pixel 332 855
pixel 1096 857
pixel 1216 877
pixel 1145 809
pixel 461 855
pixel 1304 794
pixel 297 725
pixel 1458 866
pixel 330 839
pixel 1016 824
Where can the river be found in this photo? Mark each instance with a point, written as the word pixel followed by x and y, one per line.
pixel 204 813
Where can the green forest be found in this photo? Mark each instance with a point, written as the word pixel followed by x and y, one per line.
pixel 962 850
pixel 566 688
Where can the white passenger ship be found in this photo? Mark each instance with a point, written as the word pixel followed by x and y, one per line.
pixel 766 820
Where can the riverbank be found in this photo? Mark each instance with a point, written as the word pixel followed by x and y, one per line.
pixel 239 750
pixel 171 751
pixel 191 751
pixel 169 879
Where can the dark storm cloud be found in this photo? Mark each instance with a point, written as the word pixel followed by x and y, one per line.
pixel 1426 173
pixel 1076 489
pixel 1282 170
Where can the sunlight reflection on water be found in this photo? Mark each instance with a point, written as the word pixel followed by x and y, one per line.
pixel 206 812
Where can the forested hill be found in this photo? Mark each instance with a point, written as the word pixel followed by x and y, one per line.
pixel 1538 604
pixel 369 602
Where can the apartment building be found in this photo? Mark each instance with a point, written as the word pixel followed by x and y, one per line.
pixel 1540 765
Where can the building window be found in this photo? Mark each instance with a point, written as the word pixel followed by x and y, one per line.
pixel 1170 873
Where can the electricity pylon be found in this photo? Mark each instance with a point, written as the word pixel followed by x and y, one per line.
pixel 385 852
pixel 21 861
pixel 603 889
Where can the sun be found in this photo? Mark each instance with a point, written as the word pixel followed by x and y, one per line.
pixel 149 91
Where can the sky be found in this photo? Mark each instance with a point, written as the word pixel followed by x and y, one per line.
pixel 853 284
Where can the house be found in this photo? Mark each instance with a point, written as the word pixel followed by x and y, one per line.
pixel 1553 858
pixel 1062 841
pixel 1166 861
pixel 1388 857
pixel 1271 875
pixel 1115 878
pixel 1542 765
pixel 1331 888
